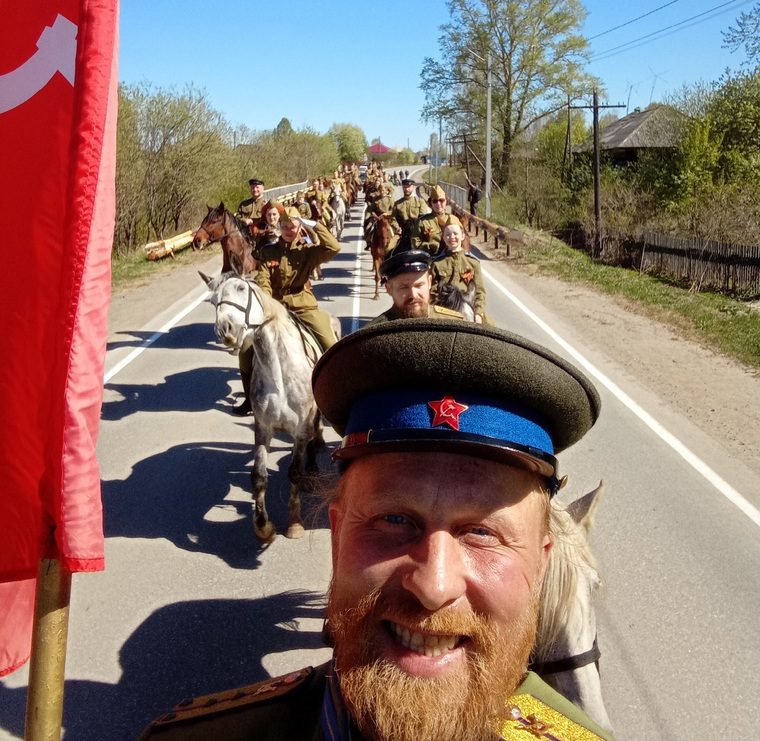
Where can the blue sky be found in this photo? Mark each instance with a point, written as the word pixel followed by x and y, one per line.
pixel 358 62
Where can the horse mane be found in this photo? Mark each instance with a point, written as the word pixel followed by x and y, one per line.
pixel 452 297
pixel 571 555
pixel 243 228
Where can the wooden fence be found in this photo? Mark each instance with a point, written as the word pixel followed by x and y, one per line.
pixel 702 263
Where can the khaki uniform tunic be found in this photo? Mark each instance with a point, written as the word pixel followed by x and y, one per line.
pixel 251 209
pixel 408 208
pixel 434 312
pixel 459 269
pixel 428 231
pixel 304 209
pixel 284 270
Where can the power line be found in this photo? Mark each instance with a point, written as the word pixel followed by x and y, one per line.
pixel 628 23
pixel 660 33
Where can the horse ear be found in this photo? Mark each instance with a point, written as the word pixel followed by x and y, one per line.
pixel 221 206
pixel 208 209
pixel 583 510
pixel 205 278
pixel 236 264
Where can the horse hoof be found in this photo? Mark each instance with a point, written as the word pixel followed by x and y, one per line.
pixel 295 531
pixel 265 534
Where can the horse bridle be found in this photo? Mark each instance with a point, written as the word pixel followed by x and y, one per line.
pixel 220 223
pixel 571 663
pixel 245 309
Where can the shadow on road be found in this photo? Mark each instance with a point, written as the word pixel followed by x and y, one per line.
pixel 179 494
pixel 188 391
pixel 182 650
pixel 187 336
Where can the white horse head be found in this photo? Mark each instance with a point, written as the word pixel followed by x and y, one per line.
pixel 566 654
pixel 240 306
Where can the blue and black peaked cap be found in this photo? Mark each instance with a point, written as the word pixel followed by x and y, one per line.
pixel 437 384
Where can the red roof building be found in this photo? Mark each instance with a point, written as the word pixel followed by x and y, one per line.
pixel 379 149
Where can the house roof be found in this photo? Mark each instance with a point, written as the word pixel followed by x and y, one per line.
pixel 656 127
pixel 378 148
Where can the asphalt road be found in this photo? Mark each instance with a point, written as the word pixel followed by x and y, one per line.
pixel 190 603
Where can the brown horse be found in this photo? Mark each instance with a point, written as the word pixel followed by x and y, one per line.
pixel 381 238
pixel 234 236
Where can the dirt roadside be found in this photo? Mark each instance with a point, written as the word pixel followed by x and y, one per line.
pixel 718 395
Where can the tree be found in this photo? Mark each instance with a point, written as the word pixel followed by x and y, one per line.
pixel 350 141
pixel 283 129
pixel 537 57
pixel 746 34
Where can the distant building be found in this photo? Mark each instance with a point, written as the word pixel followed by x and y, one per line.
pixel 378 148
pixel 658 127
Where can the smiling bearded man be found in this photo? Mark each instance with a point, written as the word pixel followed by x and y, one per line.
pixel 434 602
pixel 440 543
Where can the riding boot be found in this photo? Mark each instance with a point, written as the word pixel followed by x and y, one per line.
pixel 244 408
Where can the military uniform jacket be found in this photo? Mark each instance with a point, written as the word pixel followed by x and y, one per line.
pixel 284 268
pixel 304 209
pixel 459 269
pixel 408 208
pixel 251 209
pixel 434 312
pixel 428 231
pixel 290 708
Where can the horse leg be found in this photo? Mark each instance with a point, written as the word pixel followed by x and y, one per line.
pixel 376 265
pixel 297 476
pixel 262 525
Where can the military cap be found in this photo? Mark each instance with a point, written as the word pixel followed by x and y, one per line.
pixel 407 181
pixel 445 385
pixel 437 192
pixel 454 221
pixel 289 214
pixel 272 204
pixel 404 261
pixel 255 181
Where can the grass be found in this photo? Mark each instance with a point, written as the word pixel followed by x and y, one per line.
pixel 719 322
pixel 136 269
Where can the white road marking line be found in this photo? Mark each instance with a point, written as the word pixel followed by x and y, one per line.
pixel 358 276
pixel 694 461
pixel 160 333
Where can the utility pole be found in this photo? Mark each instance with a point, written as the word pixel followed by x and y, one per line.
pixel 597 251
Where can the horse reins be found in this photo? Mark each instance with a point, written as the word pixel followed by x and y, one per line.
pixel 570 663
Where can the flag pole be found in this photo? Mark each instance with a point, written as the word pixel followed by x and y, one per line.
pixel 44 699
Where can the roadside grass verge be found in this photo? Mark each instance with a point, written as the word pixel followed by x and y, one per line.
pixel 136 269
pixel 721 323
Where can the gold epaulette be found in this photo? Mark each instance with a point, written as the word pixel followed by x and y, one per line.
pixel 531 718
pixel 223 702
pixel 447 312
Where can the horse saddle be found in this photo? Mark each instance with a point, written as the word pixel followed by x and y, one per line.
pixel 311 345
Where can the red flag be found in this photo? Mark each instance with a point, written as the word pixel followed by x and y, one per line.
pixel 58 96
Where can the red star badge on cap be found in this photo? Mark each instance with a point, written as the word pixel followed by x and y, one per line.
pixel 447 412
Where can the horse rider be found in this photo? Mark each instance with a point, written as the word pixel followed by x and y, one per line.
pixel 378 206
pixel 250 209
pixel 267 231
pixel 286 265
pixel 410 206
pixel 303 208
pixel 406 277
pixel 459 268
pixel 428 228
pixel 440 544
pixel 318 192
